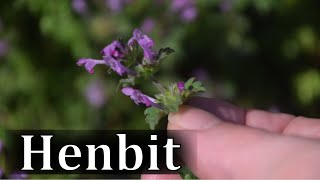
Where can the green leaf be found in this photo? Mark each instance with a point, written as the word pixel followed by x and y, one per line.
pixel 189 83
pixel 186 173
pixel 164 52
pixel 197 84
pixel 153 115
pixel 170 98
pixel 197 87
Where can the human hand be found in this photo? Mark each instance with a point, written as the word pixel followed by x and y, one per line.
pixel 230 142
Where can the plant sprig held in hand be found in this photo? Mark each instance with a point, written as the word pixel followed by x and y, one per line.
pixel 136 61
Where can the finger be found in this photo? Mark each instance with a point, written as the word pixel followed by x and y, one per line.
pixel 222 109
pixel 272 122
pixel 160 176
pixel 284 123
pixel 222 150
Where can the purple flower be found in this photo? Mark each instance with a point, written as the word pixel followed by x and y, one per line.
pixel 180 85
pixel 177 5
pixel 138 97
pixel 89 64
pixel 146 44
pixel 189 14
pixel 95 94
pixel 79 6
pixel 148 25
pixel 18 175
pixel 114 5
pixel 115 49
pixel 1 173
pixel 116 66
pixel 186 8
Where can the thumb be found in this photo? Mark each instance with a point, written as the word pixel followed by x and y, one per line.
pixel 212 148
pixel 190 122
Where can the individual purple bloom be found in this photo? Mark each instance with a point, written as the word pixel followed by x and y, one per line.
pixel 189 14
pixel 186 8
pixel 146 44
pixel 115 5
pixel 95 94
pixel 116 66
pixel 79 6
pixel 138 97
pixel 1 173
pixel 115 49
pixel 148 25
pixel 180 85
pixel 89 64
pixel 18 175
pixel 3 48
pixel 177 5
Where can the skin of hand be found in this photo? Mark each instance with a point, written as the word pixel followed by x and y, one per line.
pixel 225 141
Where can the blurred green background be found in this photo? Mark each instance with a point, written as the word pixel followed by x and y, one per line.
pixel 255 53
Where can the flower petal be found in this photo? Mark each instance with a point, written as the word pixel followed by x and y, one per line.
pixel 127 91
pixel 115 49
pixel 116 66
pixel 89 64
pixel 145 42
pixel 131 40
pixel 138 97
pixel 180 85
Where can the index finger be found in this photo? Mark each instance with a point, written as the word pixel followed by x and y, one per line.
pixel 273 122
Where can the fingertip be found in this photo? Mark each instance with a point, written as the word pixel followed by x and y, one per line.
pixel 190 118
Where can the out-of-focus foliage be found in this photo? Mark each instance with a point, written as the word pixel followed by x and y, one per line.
pixel 256 53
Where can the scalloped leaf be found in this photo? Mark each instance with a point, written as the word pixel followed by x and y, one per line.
pixel 153 115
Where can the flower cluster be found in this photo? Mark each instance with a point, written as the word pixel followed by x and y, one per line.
pixel 137 59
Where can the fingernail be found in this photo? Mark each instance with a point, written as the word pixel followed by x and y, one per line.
pixel 192 118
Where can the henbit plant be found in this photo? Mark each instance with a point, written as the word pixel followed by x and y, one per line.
pixel 136 61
